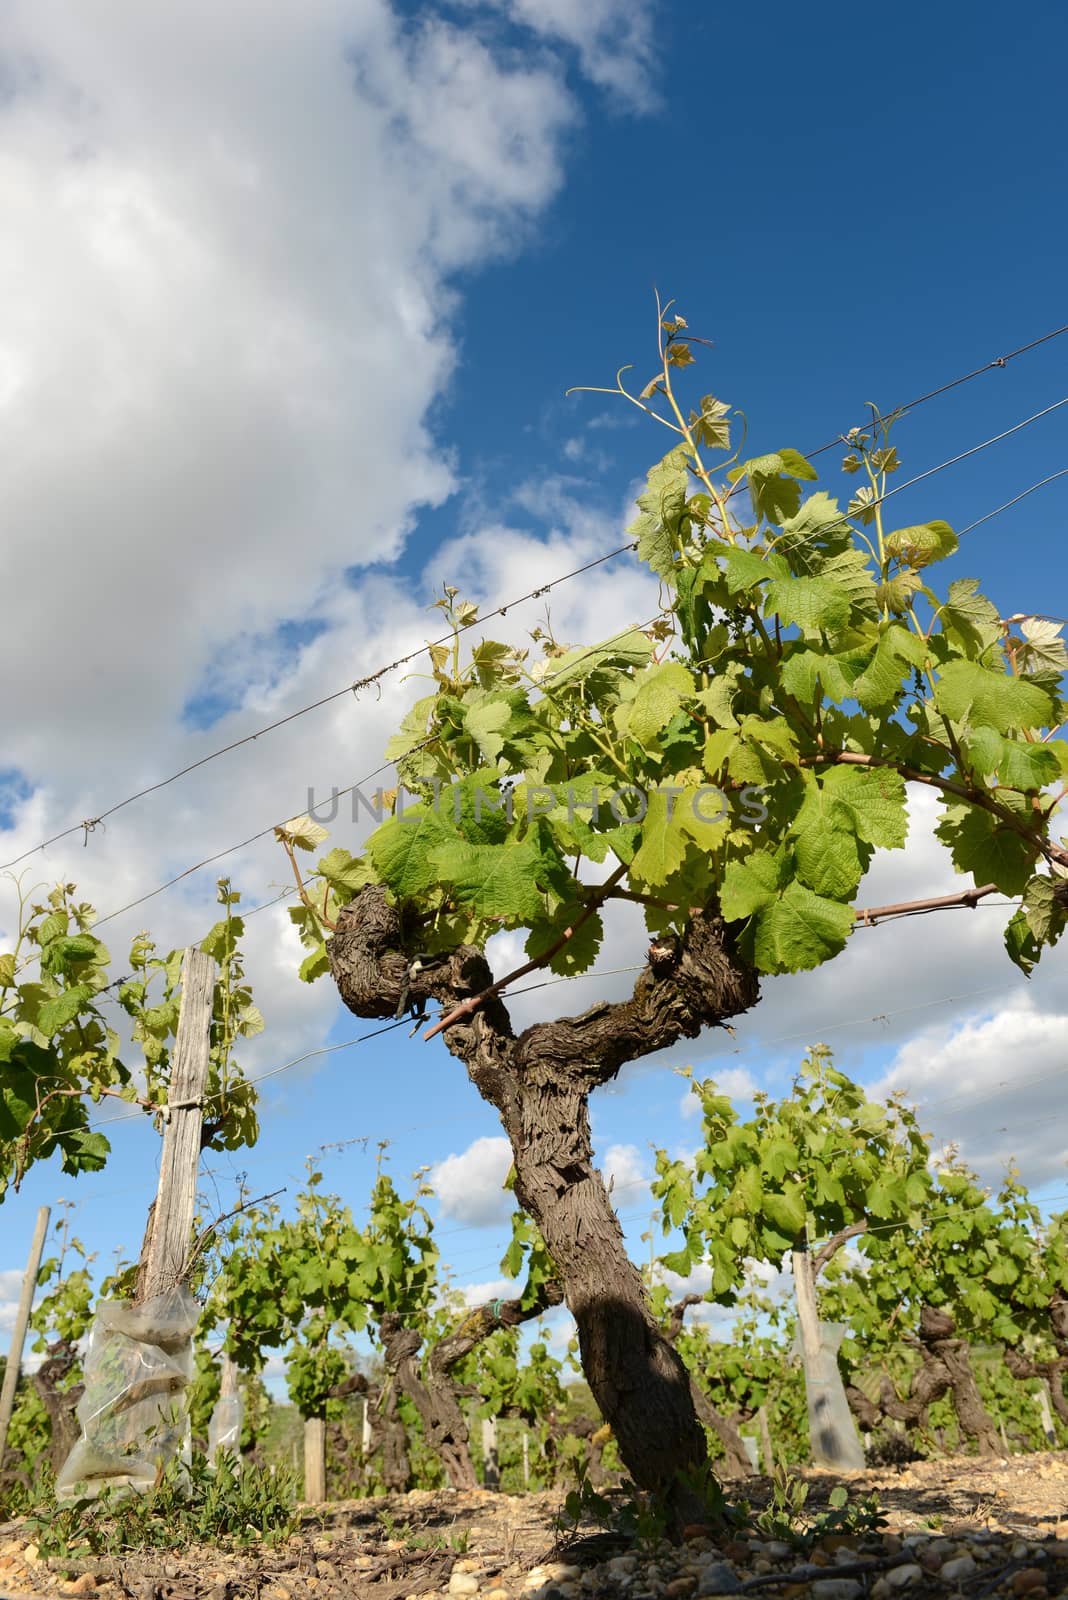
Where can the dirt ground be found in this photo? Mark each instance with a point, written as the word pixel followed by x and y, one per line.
pixel 959 1527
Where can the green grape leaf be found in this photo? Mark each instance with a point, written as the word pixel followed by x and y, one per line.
pixel 882 679
pixel 1043 649
pixel 1017 763
pixel 786 1211
pixel 344 871
pixel 751 884
pixel 806 670
pixel 812 603
pixel 56 1014
pixel 485 722
pixel 710 425
pixel 968 617
pixel 816 531
pixel 663 837
pixel 661 690
pixel 302 833
pixel 413 729
pixel 829 861
pixel 580 951
pixel 401 850
pixel 774 486
pixel 746 568
pixel 494 880
pixel 970 694
pixel 987 848
pixel 628 649
pixel 874 798
pixel 74 949
pixel 83 1151
pixel 799 930
pixel 317 965
pixel 663 528
pixel 920 546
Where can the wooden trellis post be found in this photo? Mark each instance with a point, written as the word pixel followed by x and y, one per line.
pixel 22 1322
pixel 765 1441
pixel 834 1441
pixel 314 1460
pixel 491 1472
pixel 170 1222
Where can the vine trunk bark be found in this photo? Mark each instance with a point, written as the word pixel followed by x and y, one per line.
pixel 945 1368
pixel 539 1082
pixel 59 1400
pixel 437 1404
pixel 396 1462
pixel 430 1385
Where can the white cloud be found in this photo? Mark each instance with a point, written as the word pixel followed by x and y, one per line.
pixel 469 1186
pixel 897 977
pixel 212 284
pixel 11 1283
pixel 737 1083
pixel 480 1294
pixel 613 39
pixel 562 1328
pixel 231 239
pixel 996 1086
pixel 624 1171
pixel 10 1290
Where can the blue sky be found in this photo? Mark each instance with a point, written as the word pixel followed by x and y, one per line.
pixel 288 349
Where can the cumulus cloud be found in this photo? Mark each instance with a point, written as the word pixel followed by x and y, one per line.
pixel 737 1083
pixel 892 980
pixel 996 1087
pixel 624 1171
pixel 613 39
pixel 232 240
pixel 480 1294
pixel 10 1290
pixel 717 1319
pixel 469 1186
pixel 211 285
pixel 11 1283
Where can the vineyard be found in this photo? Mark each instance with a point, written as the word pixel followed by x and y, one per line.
pixel 824 1286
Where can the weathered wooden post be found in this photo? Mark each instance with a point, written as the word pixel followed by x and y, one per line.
pixel 22 1322
pixel 765 1441
pixel 224 1428
pixel 1042 1401
pixel 170 1223
pixel 491 1471
pixel 834 1441
pixel 314 1460
pixel 133 1412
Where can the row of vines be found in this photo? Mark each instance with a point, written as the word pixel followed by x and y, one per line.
pixel 730 766
pixel 952 1306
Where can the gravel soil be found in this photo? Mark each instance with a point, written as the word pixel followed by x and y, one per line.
pixel 953 1528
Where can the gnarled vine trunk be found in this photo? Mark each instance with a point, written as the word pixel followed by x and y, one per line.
pixel 58 1401
pixel 436 1402
pixel 1052 1370
pixel 539 1082
pixel 430 1386
pixel 946 1368
pixel 388 1422
pixel 736 1463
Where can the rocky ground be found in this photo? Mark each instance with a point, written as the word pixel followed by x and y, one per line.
pixel 953 1528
